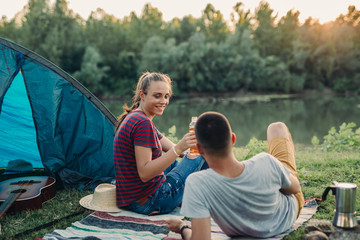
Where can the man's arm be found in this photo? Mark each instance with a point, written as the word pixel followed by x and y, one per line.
pixel 200 228
pixel 294 187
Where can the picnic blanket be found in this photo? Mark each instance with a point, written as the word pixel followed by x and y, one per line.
pixel 130 226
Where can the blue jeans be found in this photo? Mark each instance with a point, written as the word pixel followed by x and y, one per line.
pixel 169 195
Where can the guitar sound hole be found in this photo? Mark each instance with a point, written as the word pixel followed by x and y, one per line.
pixel 19 191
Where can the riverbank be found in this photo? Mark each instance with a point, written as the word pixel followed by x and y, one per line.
pixel 240 96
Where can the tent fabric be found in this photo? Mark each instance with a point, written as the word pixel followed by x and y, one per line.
pixel 71 128
pixel 16 111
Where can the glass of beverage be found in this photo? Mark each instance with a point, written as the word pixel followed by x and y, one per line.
pixel 193 150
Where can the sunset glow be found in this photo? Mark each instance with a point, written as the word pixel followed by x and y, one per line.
pixel 324 10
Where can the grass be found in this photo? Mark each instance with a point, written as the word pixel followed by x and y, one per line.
pixel 57 213
pixel 317 170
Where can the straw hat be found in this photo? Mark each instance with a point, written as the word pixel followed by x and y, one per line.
pixel 103 199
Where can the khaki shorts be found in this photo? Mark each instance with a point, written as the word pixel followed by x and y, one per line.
pixel 283 149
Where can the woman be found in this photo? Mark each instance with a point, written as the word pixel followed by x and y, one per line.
pixel 148 181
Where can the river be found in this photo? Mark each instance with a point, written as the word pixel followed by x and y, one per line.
pixel 305 116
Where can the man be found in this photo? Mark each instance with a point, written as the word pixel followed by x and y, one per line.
pixel 260 197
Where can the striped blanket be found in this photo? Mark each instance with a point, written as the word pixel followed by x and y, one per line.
pixel 130 226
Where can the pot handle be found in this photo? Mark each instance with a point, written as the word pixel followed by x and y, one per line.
pixel 332 188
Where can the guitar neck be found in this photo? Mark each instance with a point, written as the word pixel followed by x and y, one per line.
pixel 8 202
pixel 22 193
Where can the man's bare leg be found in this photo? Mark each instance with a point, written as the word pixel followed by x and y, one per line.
pixel 281 146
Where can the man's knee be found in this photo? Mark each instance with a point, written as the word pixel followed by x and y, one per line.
pixel 277 129
pixel 277 126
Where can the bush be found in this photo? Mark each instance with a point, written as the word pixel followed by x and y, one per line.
pixel 346 139
pixel 255 146
pixel 171 135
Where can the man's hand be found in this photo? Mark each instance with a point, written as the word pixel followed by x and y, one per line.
pixel 174 224
pixel 201 228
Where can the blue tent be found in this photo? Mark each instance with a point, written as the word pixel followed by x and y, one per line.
pixel 49 119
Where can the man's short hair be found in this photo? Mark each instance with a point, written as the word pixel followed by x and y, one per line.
pixel 213 133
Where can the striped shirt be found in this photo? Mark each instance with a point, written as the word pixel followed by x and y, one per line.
pixel 135 130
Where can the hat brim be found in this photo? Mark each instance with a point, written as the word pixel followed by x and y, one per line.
pixel 86 203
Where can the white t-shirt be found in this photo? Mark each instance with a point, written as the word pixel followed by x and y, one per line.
pixel 250 204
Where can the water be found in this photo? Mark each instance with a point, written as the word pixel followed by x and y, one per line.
pixel 306 117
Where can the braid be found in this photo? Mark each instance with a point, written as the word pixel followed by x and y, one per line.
pixel 127 110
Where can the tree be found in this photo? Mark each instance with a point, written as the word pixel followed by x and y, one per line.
pixel 36 26
pixel 110 36
pixel 153 55
pixel 124 74
pixel 92 72
pixel 200 54
pixel 8 29
pixel 240 18
pixel 140 29
pixel 54 32
pixel 276 76
pixel 165 56
pixel 265 34
pixel 246 69
pixel 351 18
pixel 288 29
pixel 316 40
pixel 106 32
pixel 209 66
pixel 181 29
pixel 213 24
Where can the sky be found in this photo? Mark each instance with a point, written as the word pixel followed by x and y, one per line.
pixel 324 10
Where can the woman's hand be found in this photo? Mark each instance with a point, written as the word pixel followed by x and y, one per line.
pixel 148 169
pixel 189 140
pixel 174 224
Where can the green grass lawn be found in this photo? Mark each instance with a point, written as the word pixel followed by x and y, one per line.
pixel 317 170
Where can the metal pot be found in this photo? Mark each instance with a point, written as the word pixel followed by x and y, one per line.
pixel 345 214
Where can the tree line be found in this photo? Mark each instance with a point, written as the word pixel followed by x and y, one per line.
pixel 256 51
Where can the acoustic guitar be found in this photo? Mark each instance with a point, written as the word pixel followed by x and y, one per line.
pixel 22 193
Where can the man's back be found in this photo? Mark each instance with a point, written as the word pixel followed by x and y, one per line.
pixel 250 204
